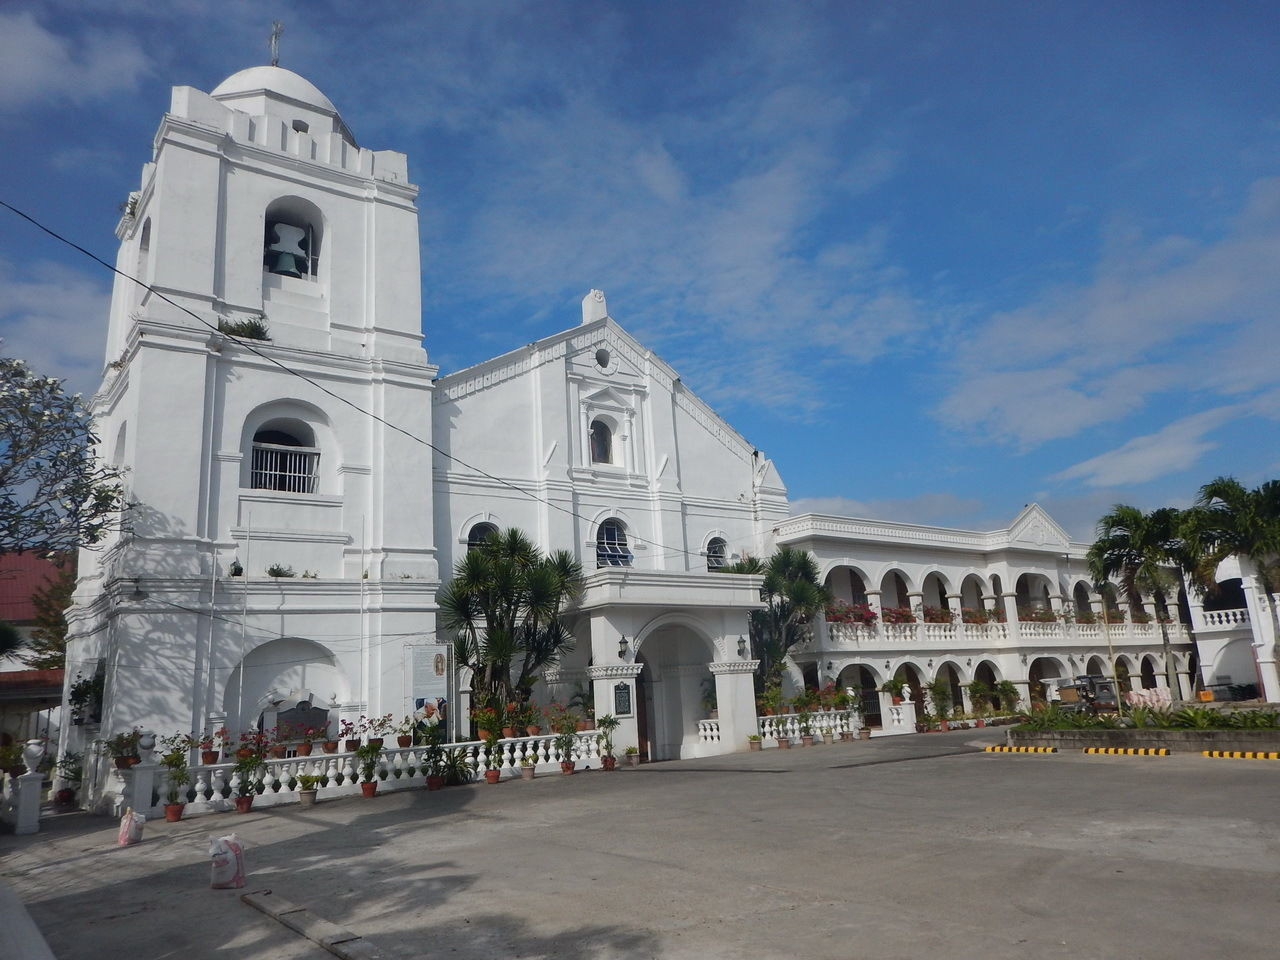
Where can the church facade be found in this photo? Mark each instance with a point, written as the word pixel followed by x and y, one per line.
pixel 302 478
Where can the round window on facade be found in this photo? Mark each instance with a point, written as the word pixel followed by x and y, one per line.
pixel 603 358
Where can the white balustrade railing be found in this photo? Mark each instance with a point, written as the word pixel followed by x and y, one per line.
pixel 899 632
pixel 708 731
pixel 850 634
pixel 1226 619
pixel 1088 631
pixel 1035 630
pixel 821 722
pixel 940 632
pixel 214 786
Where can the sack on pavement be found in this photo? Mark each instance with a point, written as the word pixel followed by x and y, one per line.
pixel 227 854
pixel 130 828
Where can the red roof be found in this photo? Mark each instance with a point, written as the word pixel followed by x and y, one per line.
pixel 21 575
pixel 35 679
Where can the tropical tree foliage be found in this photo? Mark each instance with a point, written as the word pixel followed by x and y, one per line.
pixel 504 607
pixel 792 596
pixel 1136 550
pixel 54 494
pixel 47 648
pixel 1229 518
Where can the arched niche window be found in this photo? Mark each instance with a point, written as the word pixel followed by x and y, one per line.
pixel 715 553
pixel 285 457
pixel 611 545
pixel 601 442
pixel 293 233
pixel 479 533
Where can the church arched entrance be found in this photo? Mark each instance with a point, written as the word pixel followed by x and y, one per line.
pixel 282 671
pixel 673 683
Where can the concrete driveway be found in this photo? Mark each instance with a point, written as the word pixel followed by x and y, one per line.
pixel 903 847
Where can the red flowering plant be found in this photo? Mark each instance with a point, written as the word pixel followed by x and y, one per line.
pixel 561 719
pixel 1086 616
pixel 997 615
pixel 898 615
pixel 255 743
pixel 972 615
pixel 1115 616
pixel 202 741
pixel 486 719
pixel 346 730
pixel 1037 615
pixel 827 696
pixel 840 612
pixel 1140 616
pixel 939 615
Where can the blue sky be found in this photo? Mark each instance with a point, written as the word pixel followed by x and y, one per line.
pixel 937 260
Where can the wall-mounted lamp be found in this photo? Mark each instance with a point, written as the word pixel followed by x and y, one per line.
pixel 742 646
pixel 969 662
pixel 1024 659
pixel 930 664
pixel 138 594
pixel 622 647
pixel 830 666
pixel 886 664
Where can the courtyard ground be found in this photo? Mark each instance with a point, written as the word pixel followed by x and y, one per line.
pixel 904 847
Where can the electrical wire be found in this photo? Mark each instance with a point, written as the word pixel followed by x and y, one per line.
pixel 668 551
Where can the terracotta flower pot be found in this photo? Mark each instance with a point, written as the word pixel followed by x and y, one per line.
pixel 435 783
pixel 806 741
pixel 534 729
pixel 304 749
pixel 633 759
pixel 896 700
pixel 122 763
pixel 484 733
pixel 608 763
pixel 64 797
pixel 846 735
pixel 173 812
pixel 566 767
pixel 244 804
pixel 492 776
pixel 307 798
pixel 784 743
pixel 526 773
pixel 244 753
pixel 329 746
pixel 980 723
pixel 404 741
pixel 375 742
pixel 508 732
pixel 352 745
pixel 278 750
pixel 754 745
pixel 208 757
pixel 864 733
pixel 369 788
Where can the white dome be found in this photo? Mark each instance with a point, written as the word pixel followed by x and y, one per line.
pixel 275 80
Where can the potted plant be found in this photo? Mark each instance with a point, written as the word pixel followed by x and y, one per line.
pixel 582 699
pixel 123 748
pixel 367 755
pixel 433 757
pixel 456 768
pixel 754 742
pixel 70 769
pixel 492 772
pixel 510 718
pixel 566 738
pixel 85 699
pixel 377 728
pixel 248 765
pixel 784 742
pixel 173 757
pixel 864 732
pixel 940 694
pixel 805 719
pixel 980 694
pixel 1009 696
pixel 278 745
pixel 404 732
pixel 308 785
pixel 487 720
pixel 632 755
pixel 531 720
pixel 606 725
pixel 204 743
pixel 894 688
pixel 527 763
pixel 349 735
pixel 771 700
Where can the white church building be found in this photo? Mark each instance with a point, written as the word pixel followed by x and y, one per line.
pixel 335 451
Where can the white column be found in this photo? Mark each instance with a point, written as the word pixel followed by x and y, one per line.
pixel 1010 602
pixel 873 601
pixel 1262 622
pixel 605 681
pixel 957 606
pixel 736 701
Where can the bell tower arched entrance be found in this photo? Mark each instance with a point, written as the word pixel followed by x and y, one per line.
pixel 671 690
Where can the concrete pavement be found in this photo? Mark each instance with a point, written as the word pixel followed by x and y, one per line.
pixel 900 847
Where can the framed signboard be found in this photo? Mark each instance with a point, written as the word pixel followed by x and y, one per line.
pixel 622 700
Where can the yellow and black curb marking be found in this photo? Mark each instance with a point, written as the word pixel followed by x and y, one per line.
pixel 1021 749
pixel 1240 754
pixel 1130 751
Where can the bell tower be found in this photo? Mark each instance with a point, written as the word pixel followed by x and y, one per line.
pixel 259 391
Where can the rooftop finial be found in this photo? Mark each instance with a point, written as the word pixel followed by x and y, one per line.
pixel 594 307
pixel 277 28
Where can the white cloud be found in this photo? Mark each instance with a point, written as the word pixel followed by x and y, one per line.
pixel 1172 449
pixel 54 318
pixel 40 66
pixel 1156 315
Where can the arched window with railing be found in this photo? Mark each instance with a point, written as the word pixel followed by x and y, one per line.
pixel 479 533
pixel 716 548
pixel 612 549
pixel 285 457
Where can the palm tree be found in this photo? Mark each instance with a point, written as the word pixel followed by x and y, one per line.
pixel 1137 549
pixel 504 606
pixel 1230 519
pixel 792 596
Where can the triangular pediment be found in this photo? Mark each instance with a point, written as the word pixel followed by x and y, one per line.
pixel 1035 527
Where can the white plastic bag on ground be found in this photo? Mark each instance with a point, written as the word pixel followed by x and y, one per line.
pixel 130 828
pixel 227 854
